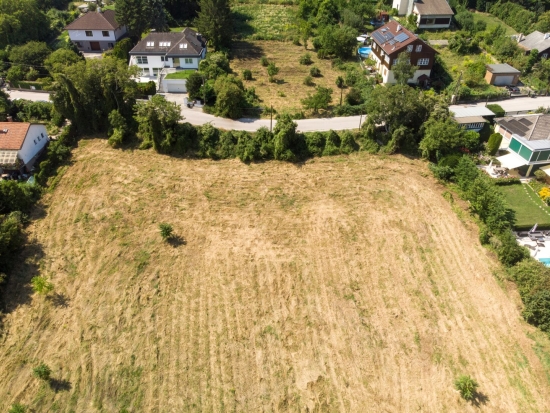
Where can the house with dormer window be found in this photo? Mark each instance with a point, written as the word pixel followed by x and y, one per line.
pixel 175 51
pixel 393 39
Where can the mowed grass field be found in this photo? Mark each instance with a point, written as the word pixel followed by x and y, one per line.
pixel 286 94
pixel 527 205
pixel 344 284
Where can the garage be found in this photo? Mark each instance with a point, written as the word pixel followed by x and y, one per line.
pixel 174 85
pixel 502 75
pixel 504 80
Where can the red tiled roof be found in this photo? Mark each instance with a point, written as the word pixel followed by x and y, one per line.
pixel 392 27
pixel 15 136
pixel 94 20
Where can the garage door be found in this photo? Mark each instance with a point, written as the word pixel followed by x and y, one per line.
pixel 504 80
pixel 177 88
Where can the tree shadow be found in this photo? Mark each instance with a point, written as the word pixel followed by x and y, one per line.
pixel 244 50
pixel 241 27
pixel 18 290
pixel 59 300
pixel 58 385
pixel 480 399
pixel 176 241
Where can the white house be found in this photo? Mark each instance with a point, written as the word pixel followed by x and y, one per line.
pixel 96 31
pixel 431 14
pixel 173 51
pixel 20 144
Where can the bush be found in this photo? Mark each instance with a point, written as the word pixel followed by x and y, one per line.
pixel 494 143
pixel 166 231
pixel 540 175
pixel 317 43
pixel 347 144
pixel 149 88
pixel 322 54
pixel 537 309
pixel 506 181
pixel 305 59
pixel 308 81
pixel 17 408
pixel 263 61
pixel 497 110
pixel 315 71
pixel 467 387
pixel 41 285
pixel 247 74
pixel 441 172
pixel 42 372
pixel 332 145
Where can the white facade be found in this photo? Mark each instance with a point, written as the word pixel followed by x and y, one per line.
pixel 387 74
pixel 36 139
pixel 151 65
pixel 96 40
pixel 404 7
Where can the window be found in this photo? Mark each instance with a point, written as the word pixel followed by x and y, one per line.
pixel 8 157
pixel 141 60
pixel 42 134
pixel 34 141
pixel 163 59
pixel 183 45
pixel 78 44
pixel 105 33
pixel 150 44
pixel 156 72
pixel 395 61
pixel 110 45
pixel 188 61
pixel 410 48
pixel 165 44
pixel 430 21
pixel 385 72
pixel 418 48
pixel 423 62
pixel 387 59
pixel 544 55
pixel 89 33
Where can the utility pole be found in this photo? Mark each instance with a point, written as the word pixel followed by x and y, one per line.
pixel 360 117
pixel 271 119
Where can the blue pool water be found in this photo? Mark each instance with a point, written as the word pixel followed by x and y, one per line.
pixel 364 51
pixel 545 261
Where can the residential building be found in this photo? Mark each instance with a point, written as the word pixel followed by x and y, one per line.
pixel 471 117
pixel 431 14
pixel 20 144
pixel 502 75
pixel 175 51
pixel 96 31
pixel 392 39
pixel 536 40
pixel 527 138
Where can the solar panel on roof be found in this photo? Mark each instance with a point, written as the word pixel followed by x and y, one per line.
pixel 401 37
pixel 378 37
pixel 518 125
pixel 392 41
pixel 526 122
pixel 513 127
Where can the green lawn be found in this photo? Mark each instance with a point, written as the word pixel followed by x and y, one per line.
pixel 264 21
pixel 529 208
pixel 182 74
pixel 493 21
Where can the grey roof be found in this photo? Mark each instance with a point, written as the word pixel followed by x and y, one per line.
pixel 433 7
pixel 530 127
pixel 462 111
pixel 185 43
pixel 534 145
pixel 535 40
pixel 470 119
pixel 502 68
pixel 95 20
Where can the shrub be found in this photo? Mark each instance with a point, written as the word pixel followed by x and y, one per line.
pixel 494 143
pixel 41 285
pixel 263 61
pixel 347 144
pixel 497 110
pixel 540 175
pixel 166 231
pixel 296 41
pixel 305 59
pixel 42 372
pixel 332 145
pixel 441 172
pixel 308 81
pixel 317 43
pixel 149 88
pixel 506 181
pixel 322 54
pixel 17 408
pixel 315 143
pixel 272 70
pixel 247 74
pixel 467 387
pixel 315 71
pixel 537 309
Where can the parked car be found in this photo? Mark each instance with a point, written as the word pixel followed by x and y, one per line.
pixel 513 89
pixel 376 23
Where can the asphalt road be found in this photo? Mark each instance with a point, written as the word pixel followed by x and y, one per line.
pixel 195 116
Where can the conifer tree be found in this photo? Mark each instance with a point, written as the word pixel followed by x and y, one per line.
pixel 215 23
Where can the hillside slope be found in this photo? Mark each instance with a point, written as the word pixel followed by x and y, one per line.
pixel 346 284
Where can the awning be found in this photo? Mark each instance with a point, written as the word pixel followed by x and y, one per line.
pixel 546 169
pixel 512 160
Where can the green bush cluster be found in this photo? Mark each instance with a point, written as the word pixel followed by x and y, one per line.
pixel 147 89
pixel 58 152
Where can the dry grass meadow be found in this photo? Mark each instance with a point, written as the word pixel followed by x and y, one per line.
pixel 346 284
pixel 284 95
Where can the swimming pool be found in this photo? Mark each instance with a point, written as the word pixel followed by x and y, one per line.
pixel 545 261
pixel 364 51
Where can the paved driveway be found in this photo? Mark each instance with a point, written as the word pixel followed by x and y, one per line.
pixel 34 96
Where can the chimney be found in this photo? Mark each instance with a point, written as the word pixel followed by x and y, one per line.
pixel 99 9
pixel 9 118
pixel 520 37
pixel 546 36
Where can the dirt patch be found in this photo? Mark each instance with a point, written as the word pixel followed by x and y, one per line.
pixel 344 284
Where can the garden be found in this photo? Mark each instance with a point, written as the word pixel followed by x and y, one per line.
pixel 529 208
